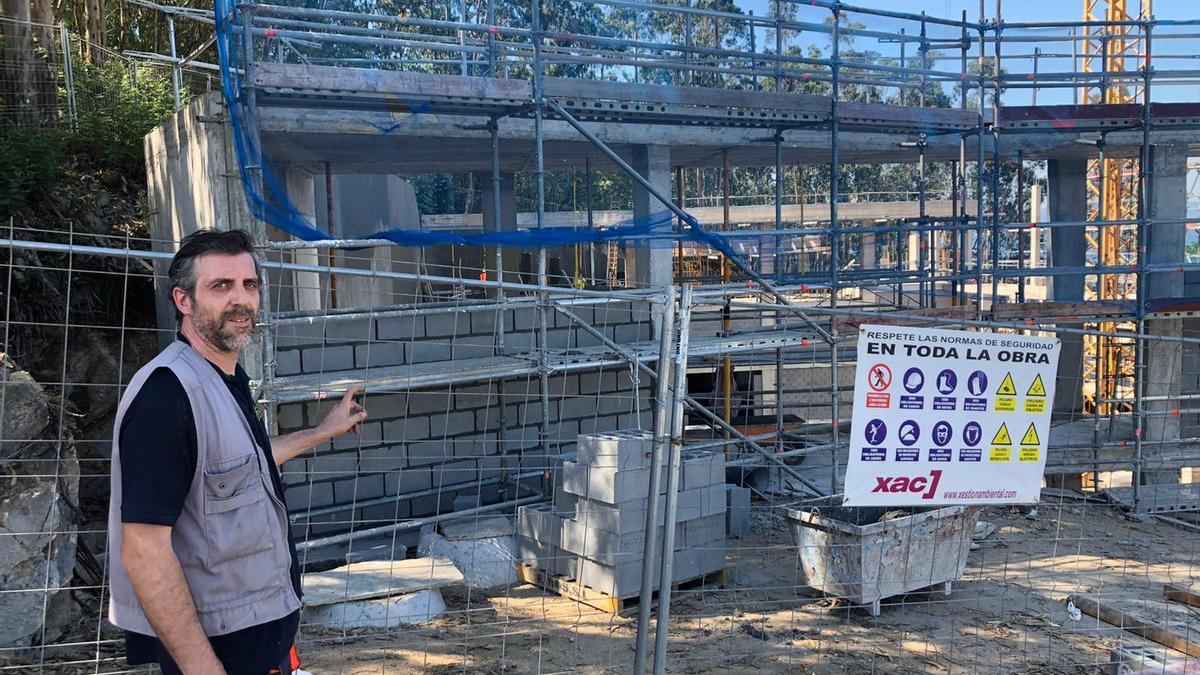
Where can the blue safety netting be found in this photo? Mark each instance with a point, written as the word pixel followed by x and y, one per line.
pixel 270 204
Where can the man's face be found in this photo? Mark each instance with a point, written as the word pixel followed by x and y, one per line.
pixel 226 300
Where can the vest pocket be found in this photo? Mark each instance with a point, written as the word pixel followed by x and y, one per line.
pixel 236 509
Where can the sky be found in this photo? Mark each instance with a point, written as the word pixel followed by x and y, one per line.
pixel 1021 11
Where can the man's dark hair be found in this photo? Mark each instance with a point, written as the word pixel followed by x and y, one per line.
pixel 182 273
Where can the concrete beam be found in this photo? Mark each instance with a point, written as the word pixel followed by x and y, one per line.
pixel 1068 202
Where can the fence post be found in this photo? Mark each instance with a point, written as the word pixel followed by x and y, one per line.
pixel 68 76
pixel 175 76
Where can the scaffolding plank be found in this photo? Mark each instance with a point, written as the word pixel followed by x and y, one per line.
pixel 318 386
pixel 378 579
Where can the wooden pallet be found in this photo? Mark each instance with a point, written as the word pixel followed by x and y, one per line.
pixel 605 602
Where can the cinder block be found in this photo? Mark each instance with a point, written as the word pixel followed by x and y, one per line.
pixel 408 480
pixel 565 504
pixel 383 514
pixel 406 429
pixel 519 342
pixel 358 489
pixel 540 522
pixel 401 328
pixel 472 348
pixel 466 501
pixel 381 459
pixel 472 447
pixel 455 473
pixel 428 351
pixel 607 547
pixel 712 557
pixel 349 330
pixel 573 407
pixel 605 484
pixel 737 514
pixel 312 495
pixel 328 359
pixel 700 503
pixel 490 467
pixel 370 433
pixel 379 355
pixel 621 449
pixel 452 424
pixel 703 531
pixel 447 325
pixel 477 396
pixel 300 334
pixel 287 362
pixel 484 322
pixel 427 506
pixel 628 517
pixel 429 452
pixel 294 472
pixel 594 424
pixel 382 407
pixel 290 416
pixel 632 332
pixel 488 419
pixel 426 402
pixel 702 468
pixel 625 580
pixel 327 466
pixel 525 318
pixel 540 555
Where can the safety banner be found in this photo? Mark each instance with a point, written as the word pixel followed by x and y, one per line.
pixel 949 417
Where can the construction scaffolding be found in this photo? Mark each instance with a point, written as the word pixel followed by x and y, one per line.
pixel 498 347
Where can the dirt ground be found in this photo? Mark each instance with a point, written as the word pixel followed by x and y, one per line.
pixel 1007 614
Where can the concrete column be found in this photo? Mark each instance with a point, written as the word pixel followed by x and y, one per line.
pixel 645 265
pixel 306 286
pixel 362 205
pixel 1164 245
pixel 1068 203
pixel 508 219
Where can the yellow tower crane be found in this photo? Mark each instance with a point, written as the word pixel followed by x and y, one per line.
pixel 1114 51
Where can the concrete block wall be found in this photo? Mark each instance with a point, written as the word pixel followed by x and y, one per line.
pixel 447 439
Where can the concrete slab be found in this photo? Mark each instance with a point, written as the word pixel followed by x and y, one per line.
pixel 379 578
pixel 412 608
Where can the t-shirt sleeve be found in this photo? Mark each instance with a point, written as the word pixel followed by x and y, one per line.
pixel 157 452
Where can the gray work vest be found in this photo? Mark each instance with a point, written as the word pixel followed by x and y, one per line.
pixel 231 538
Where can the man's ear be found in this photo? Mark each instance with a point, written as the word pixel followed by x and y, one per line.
pixel 183 302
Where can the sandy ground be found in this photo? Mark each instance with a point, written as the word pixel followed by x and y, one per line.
pixel 1007 615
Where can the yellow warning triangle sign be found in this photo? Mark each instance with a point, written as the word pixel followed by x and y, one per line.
pixel 1007 388
pixel 1037 388
pixel 1030 437
pixel 1002 437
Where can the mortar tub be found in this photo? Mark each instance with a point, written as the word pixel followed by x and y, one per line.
pixel 847 553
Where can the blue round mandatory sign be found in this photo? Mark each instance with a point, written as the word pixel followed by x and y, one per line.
pixel 914 379
pixel 977 383
pixel 972 434
pixel 910 432
pixel 942 433
pixel 947 381
pixel 876 432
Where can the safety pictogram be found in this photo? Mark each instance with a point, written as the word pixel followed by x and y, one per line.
pixel 1030 437
pixel 1037 388
pixel 1002 437
pixel 879 377
pixel 1007 388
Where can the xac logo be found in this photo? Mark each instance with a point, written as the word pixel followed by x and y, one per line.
pixel 899 484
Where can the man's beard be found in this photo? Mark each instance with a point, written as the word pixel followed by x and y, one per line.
pixel 212 329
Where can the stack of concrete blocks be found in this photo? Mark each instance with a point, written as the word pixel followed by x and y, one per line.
pixel 595 529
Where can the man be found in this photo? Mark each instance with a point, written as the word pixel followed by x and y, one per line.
pixel 204 575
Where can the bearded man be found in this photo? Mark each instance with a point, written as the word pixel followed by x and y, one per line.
pixel 204 574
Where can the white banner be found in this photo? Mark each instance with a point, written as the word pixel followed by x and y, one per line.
pixel 949 417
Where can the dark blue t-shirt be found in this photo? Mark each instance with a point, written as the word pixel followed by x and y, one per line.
pixel 158 462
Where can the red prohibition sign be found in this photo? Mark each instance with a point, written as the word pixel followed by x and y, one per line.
pixel 879 377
